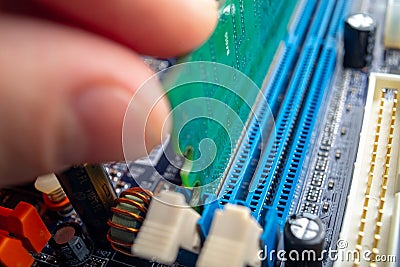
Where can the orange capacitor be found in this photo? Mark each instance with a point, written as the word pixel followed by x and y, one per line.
pixel 25 224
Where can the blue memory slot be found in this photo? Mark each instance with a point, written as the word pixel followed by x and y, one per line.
pixel 267 177
pixel 280 168
pixel 249 149
pixel 281 163
pixel 286 119
pixel 296 117
pixel 291 173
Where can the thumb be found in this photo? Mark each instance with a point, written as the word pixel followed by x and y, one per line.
pixel 63 96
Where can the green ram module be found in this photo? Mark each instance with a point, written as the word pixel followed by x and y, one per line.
pixel 246 38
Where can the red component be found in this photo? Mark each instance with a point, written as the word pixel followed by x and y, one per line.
pixel 4 213
pixel 26 225
pixel 55 205
pixel 12 253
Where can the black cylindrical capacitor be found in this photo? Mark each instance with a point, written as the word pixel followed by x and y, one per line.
pixel 70 244
pixel 92 195
pixel 359 40
pixel 304 236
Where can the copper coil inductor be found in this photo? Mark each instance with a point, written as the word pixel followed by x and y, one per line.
pixel 128 214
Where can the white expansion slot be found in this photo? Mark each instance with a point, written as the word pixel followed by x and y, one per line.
pixel 365 232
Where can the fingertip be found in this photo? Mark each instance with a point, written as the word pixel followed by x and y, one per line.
pixel 162 28
pixel 146 122
pixel 69 107
pixel 107 113
pixel 194 32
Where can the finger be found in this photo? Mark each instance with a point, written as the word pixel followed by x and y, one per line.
pixel 162 28
pixel 63 96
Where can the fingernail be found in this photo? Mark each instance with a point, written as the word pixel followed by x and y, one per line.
pixel 209 13
pixel 211 4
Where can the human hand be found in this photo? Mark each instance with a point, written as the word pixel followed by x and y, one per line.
pixel 65 85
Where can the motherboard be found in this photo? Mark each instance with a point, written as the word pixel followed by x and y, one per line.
pixel 284 152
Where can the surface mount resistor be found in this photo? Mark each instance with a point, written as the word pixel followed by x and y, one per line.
pixel 331 184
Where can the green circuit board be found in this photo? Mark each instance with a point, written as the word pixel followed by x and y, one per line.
pixel 246 38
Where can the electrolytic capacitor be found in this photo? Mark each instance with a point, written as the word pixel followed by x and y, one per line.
pixel 359 40
pixel 304 235
pixel 92 195
pixel 71 245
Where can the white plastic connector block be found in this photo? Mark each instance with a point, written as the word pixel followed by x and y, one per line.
pixel 394 239
pixel 234 239
pixel 47 183
pixel 169 225
pixel 392 30
pixel 366 224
